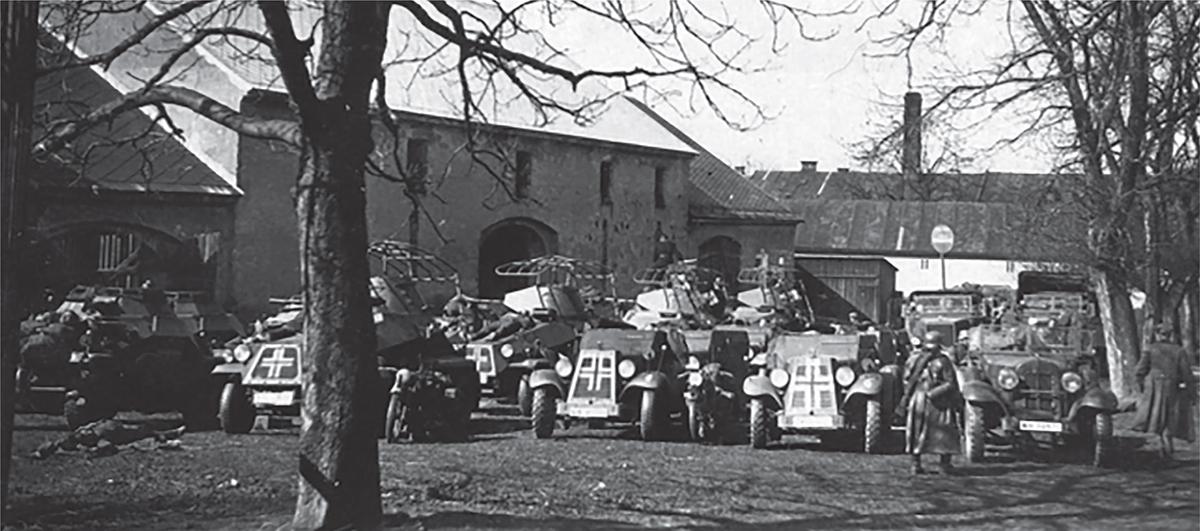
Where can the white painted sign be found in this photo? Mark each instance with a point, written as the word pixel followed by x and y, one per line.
pixel 942 239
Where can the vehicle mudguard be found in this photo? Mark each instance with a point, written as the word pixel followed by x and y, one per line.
pixel 982 392
pixel 544 377
pixel 758 386
pixel 868 384
pixel 531 364
pixel 647 380
pixel 1095 398
pixel 232 368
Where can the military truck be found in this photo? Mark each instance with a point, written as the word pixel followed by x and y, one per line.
pixel 1039 377
pixel 950 312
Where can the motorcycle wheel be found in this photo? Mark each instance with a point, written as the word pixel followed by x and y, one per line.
pixel 696 428
pixel 1102 435
pixel 235 413
pixel 394 424
pixel 758 423
pixel 651 418
pixel 524 397
pixel 973 433
pixel 873 427
pixel 543 411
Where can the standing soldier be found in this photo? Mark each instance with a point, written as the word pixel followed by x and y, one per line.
pixel 1165 378
pixel 932 395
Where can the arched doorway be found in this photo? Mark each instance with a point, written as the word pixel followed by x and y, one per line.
pixel 121 255
pixel 506 241
pixel 723 254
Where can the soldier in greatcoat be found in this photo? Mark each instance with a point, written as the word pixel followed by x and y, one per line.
pixel 1168 387
pixel 933 398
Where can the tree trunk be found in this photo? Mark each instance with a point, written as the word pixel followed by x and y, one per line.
pixel 19 52
pixel 339 454
pixel 1120 333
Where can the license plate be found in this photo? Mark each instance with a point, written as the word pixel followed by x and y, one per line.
pixel 813 421
pixel 1037 425
pixel 590 412
pixel 274 398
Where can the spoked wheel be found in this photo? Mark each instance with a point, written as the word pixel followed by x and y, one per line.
pixel 395 423
pixel 758 423
pixel 542 411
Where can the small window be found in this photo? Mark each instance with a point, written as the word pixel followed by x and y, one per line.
pixel 524 174
pixel 418 158
pixel 606 182
pixel 1010 267
pixel 924 264
pixel 660 195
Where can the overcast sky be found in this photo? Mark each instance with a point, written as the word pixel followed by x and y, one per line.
pixel 830 94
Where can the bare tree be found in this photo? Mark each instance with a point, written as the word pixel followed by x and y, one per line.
pixel 496 53
pixel 1113 85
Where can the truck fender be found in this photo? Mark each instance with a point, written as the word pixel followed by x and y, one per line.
pixel 648 380
pixel 758 386
pixel 1095 398
pixel 981 392
pixel 545 377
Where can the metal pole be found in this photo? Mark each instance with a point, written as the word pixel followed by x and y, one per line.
pixel 942 256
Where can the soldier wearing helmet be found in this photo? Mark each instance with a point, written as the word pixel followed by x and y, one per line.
pixel 933 399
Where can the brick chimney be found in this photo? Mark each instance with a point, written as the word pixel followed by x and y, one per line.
pixel 910 163
pixel 808 165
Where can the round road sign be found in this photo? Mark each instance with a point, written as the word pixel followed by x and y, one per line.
pixel 942 239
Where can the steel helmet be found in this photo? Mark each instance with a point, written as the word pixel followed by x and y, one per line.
pixel 932 337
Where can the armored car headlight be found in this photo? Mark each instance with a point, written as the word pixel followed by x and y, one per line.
pixel 844 376
pixel 1008 379
pixel 242 353
pixel 626 368
pixel 694 379
pixel 563 367
pixel 1072 382
pixel 779 378
pixel 506 350
pixel 916 341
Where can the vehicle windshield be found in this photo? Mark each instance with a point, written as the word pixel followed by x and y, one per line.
pixel 943 304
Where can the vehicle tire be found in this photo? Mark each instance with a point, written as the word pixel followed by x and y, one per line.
pixel 394 423
pixel 524 396
pixel 758 423
pixel 542 411
pixel 235 412
pixel 973 433
pixel 695 424
pixel 652 418
pixel 873 426
pixel 1102 438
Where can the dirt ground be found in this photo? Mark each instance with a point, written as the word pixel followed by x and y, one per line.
pixel 599 479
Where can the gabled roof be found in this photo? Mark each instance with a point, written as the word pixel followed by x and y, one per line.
pixel 130 154
pixel 718 192
pixel 990 187
pixel 902 228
